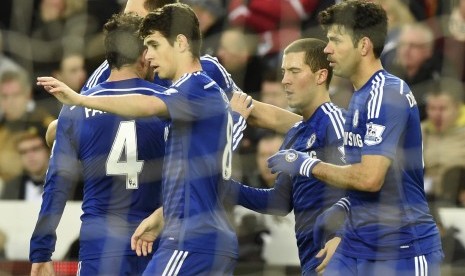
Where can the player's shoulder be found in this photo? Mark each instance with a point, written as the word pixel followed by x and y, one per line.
pixel 129 86
pixel 334 116
pixel 386 88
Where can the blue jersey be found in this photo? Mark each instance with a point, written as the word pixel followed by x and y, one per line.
pixel 321 137
pixel 210 65
pixel 198 159
pixel 122 165
pixel 394 223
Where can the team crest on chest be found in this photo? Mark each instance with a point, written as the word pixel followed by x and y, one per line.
pixel 311 140
pixel 355 119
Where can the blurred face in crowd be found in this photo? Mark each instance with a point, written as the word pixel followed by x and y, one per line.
pixel 415 47
pixel 442 111
pixel 265 149
pixel 34 155
pixel 273 93
pixel 72 72
pixel 232 51
pixel 299 81
pixel 14 98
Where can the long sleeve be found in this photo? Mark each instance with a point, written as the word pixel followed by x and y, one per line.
pixel 61 177
pixel 274 201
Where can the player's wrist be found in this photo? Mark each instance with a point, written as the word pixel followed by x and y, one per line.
pixel 307 166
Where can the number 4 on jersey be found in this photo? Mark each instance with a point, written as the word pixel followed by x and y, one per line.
pixel 122 159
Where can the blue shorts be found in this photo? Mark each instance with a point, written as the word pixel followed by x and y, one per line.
pixel 167 262
pixel 121 265
pixel 429 264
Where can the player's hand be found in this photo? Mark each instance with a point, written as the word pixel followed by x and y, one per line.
pixel 242 104
pixel 147 232
pixel 329 222
pixel 327 252
pixel 292 162
pixel 60 90
pixel 42 269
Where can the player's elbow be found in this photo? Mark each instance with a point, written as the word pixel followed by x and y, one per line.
pixel 371 184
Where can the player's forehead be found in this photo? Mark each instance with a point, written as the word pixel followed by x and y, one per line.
pixel 338 31
pixel 293 60
pixel 154 38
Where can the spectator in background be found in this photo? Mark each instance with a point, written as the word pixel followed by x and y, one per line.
pixel 211 15
pixel 277 22
pixel 70 70
pixel 34 159
pixel 237 53
pixel 6 63
pixel 443 133
pixel 19 113
pixel 272 91
pixel 453 27
pixel 417 62
pixel 58 26
pixel 398 15
pixel 262 176
pixel 452 182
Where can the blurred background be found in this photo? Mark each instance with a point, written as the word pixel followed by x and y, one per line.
pixel 63 38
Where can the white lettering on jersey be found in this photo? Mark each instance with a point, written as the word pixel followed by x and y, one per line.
pixel 411 99
pixel 352 139
pixel 312 154
pixel 92 112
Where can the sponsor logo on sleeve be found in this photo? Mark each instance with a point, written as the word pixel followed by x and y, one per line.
pixel 374 134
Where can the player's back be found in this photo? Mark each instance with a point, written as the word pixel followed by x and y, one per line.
pixel 122 161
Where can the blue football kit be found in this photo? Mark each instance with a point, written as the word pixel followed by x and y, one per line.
pixel 197 161
pixel 122 160
pixel 320 137
pixel 393 223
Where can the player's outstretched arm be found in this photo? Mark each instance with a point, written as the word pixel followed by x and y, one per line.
pixel 51 133
pixel 272 117
pixel 123 105
pixel 147 232
pixel 42 269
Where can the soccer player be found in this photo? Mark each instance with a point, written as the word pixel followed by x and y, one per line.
pixel 306 78
pixel 390 230
pixel 197 238
pixel 121 159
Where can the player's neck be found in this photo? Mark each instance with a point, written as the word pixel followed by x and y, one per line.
pixel 318 99
pixel 186 66
pixel 366 69
pixel 124 73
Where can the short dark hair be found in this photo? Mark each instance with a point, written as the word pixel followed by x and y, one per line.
pixel 361 18
pixel 123 45
pixel 314 54
pixel 151 5
pixel 172 20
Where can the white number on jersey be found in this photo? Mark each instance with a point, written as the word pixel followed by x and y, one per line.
pixel 227 153
pixel 125 145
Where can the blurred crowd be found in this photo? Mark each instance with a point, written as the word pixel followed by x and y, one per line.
pixel 63 38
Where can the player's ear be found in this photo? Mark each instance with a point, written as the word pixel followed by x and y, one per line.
pixel 181 42
pixel 321 76
pixel 365 45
